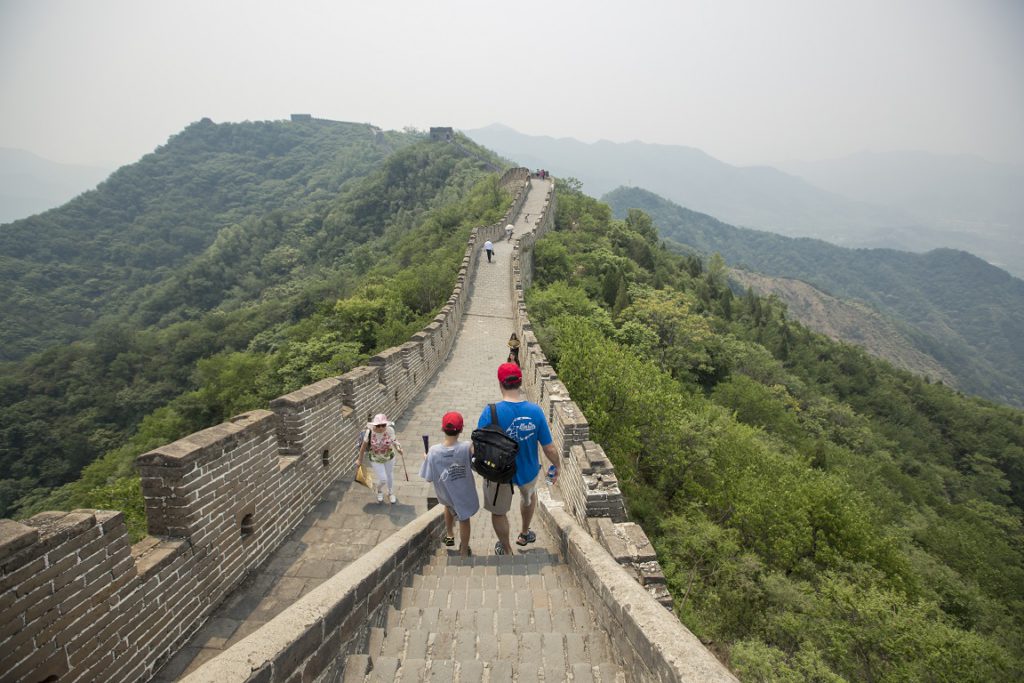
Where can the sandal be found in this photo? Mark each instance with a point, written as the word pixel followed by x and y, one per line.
pixel 528 537
pixel 449 540
pixel 499 549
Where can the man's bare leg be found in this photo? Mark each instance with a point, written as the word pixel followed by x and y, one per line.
pixel 528 510
pixel 500 524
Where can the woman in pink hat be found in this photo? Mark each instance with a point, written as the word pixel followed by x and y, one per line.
pixel 382 444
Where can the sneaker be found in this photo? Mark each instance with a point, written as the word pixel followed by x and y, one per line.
pixel 449 541
pixel 528 537
pixel 380 497
pixel 499 549
pixel 393 499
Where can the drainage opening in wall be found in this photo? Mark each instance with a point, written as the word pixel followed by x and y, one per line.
pixel 325 458
pixel 247 525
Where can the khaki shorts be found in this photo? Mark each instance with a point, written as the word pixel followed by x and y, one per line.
pixel 503 503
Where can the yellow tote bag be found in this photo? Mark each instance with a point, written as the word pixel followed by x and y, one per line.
pixel 364 476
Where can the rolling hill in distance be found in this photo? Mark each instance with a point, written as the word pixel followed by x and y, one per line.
pixel 117 250
pixel 766 198
pixel 977 205
pixel 30 184
pixel 965 313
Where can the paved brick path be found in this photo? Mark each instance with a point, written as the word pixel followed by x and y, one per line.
pixel 468 381
pixel 348 521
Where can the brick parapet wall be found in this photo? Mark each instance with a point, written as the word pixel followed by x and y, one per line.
pixel 310 639
pixel 649 642
pixel 217 503
pixel 80 603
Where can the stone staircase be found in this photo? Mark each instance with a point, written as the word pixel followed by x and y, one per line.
pixel 489 618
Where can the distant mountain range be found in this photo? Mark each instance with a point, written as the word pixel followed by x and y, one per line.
pixel 30 184
pixel 962 312
pixel 971 204
pixel 906 201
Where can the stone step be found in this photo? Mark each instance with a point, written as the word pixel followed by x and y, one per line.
pixel 555 649
pixel 359 668
pixel 534 556
pixel 523 598
pixel 481 579
pixel 356 667
pixel 561 619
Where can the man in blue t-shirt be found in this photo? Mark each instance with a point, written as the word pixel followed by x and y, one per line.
pixel 524 421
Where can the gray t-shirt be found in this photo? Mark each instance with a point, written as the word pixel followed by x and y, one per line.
pixel 448 467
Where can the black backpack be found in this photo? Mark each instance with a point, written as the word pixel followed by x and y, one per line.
pixel 494 451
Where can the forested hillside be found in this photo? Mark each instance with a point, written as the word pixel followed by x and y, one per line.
pixel 103 253
pixel 844 320
pixel 306 289
pixel 963 312
pixel 820 515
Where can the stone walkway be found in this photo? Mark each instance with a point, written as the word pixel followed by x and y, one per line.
pixel 348 521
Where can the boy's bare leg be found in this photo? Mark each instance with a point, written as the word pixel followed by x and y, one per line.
pixel 449 522
pixel 464 537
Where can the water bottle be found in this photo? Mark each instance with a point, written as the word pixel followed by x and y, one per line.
pixel 551 474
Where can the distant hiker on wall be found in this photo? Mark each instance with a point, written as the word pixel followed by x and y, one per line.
pixel 489 248
pixel 513 349
pixel 382 445
pixel 524 421
pixel 448 467
pixel 509 228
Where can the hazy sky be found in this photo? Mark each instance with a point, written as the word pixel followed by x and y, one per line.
pixel 752 81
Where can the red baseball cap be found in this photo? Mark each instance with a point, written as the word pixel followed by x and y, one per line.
pixel 451 422
pixel 509 374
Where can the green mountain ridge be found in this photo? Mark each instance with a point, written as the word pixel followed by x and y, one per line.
pixel 962 311
pixel 101 253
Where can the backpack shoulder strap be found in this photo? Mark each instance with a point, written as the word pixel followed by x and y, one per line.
pixel 494 415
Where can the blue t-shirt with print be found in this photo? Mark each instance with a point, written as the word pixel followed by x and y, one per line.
pixel 525 422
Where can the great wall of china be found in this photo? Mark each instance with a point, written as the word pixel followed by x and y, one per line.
pixel 79 602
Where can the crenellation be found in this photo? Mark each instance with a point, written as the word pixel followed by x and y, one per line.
pixel 14 537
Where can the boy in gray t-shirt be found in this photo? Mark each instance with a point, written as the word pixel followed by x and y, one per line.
pixel 448 466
